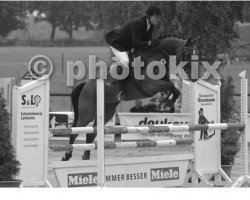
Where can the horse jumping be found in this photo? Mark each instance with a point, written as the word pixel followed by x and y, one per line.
pixel 83 96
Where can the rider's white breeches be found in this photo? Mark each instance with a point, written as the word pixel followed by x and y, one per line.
pixel 122 56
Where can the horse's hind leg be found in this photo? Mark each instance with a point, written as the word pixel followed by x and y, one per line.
pixel 86 116
pixel 83 122
pixel 86 112
pixel 110 109
pixel 89 139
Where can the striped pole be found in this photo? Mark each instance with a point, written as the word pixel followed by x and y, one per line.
pixel 146 129
pixel 67 132
pixel 123 145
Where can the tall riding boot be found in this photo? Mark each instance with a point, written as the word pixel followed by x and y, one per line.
pixel 118 86
pixel 176 94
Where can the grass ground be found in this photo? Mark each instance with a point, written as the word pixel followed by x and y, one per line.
pixel 14 58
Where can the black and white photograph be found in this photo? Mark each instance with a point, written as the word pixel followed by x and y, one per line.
pixel 124 94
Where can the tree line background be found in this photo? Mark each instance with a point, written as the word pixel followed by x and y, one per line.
pixel 217 23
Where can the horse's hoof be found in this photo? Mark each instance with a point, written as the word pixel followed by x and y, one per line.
pixel 67 156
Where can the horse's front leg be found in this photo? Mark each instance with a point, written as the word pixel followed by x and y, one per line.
pixel 68 154
pixel 154 86
pixel 174 91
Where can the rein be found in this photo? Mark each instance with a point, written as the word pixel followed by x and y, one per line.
pixel 185 48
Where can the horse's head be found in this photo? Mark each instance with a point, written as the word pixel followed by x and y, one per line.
pixel 171 45
pixel 182 48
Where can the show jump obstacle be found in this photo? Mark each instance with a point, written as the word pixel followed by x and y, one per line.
pixel 201 167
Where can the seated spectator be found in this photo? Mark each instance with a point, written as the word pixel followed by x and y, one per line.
pixel 151 108
pixel 138 108
pixel 117 119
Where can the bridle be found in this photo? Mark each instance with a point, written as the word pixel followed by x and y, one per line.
pixel 163 51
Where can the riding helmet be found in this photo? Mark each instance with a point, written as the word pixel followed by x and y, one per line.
pixel 153 10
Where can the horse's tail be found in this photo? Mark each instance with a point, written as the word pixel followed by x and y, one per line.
pixel 74 99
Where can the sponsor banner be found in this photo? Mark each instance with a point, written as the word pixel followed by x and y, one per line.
pixel 131 119
pixel 30 129
pixel 151 171
pixel 90 179
pixel 207 105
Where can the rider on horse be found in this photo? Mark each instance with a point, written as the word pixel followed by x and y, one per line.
pixel 136 34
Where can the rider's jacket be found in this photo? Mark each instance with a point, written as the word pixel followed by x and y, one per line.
pixel 134 34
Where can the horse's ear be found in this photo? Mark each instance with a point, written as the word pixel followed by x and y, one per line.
pixel 192 42
pixel 189 40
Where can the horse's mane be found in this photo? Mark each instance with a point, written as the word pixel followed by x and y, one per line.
pixel 172 44
pixel 173 36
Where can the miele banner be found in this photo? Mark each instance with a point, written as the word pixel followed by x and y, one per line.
pixel 129 119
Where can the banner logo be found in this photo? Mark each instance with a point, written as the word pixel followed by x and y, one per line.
pixel 82 179
pixel 31 100
pixel 164 174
